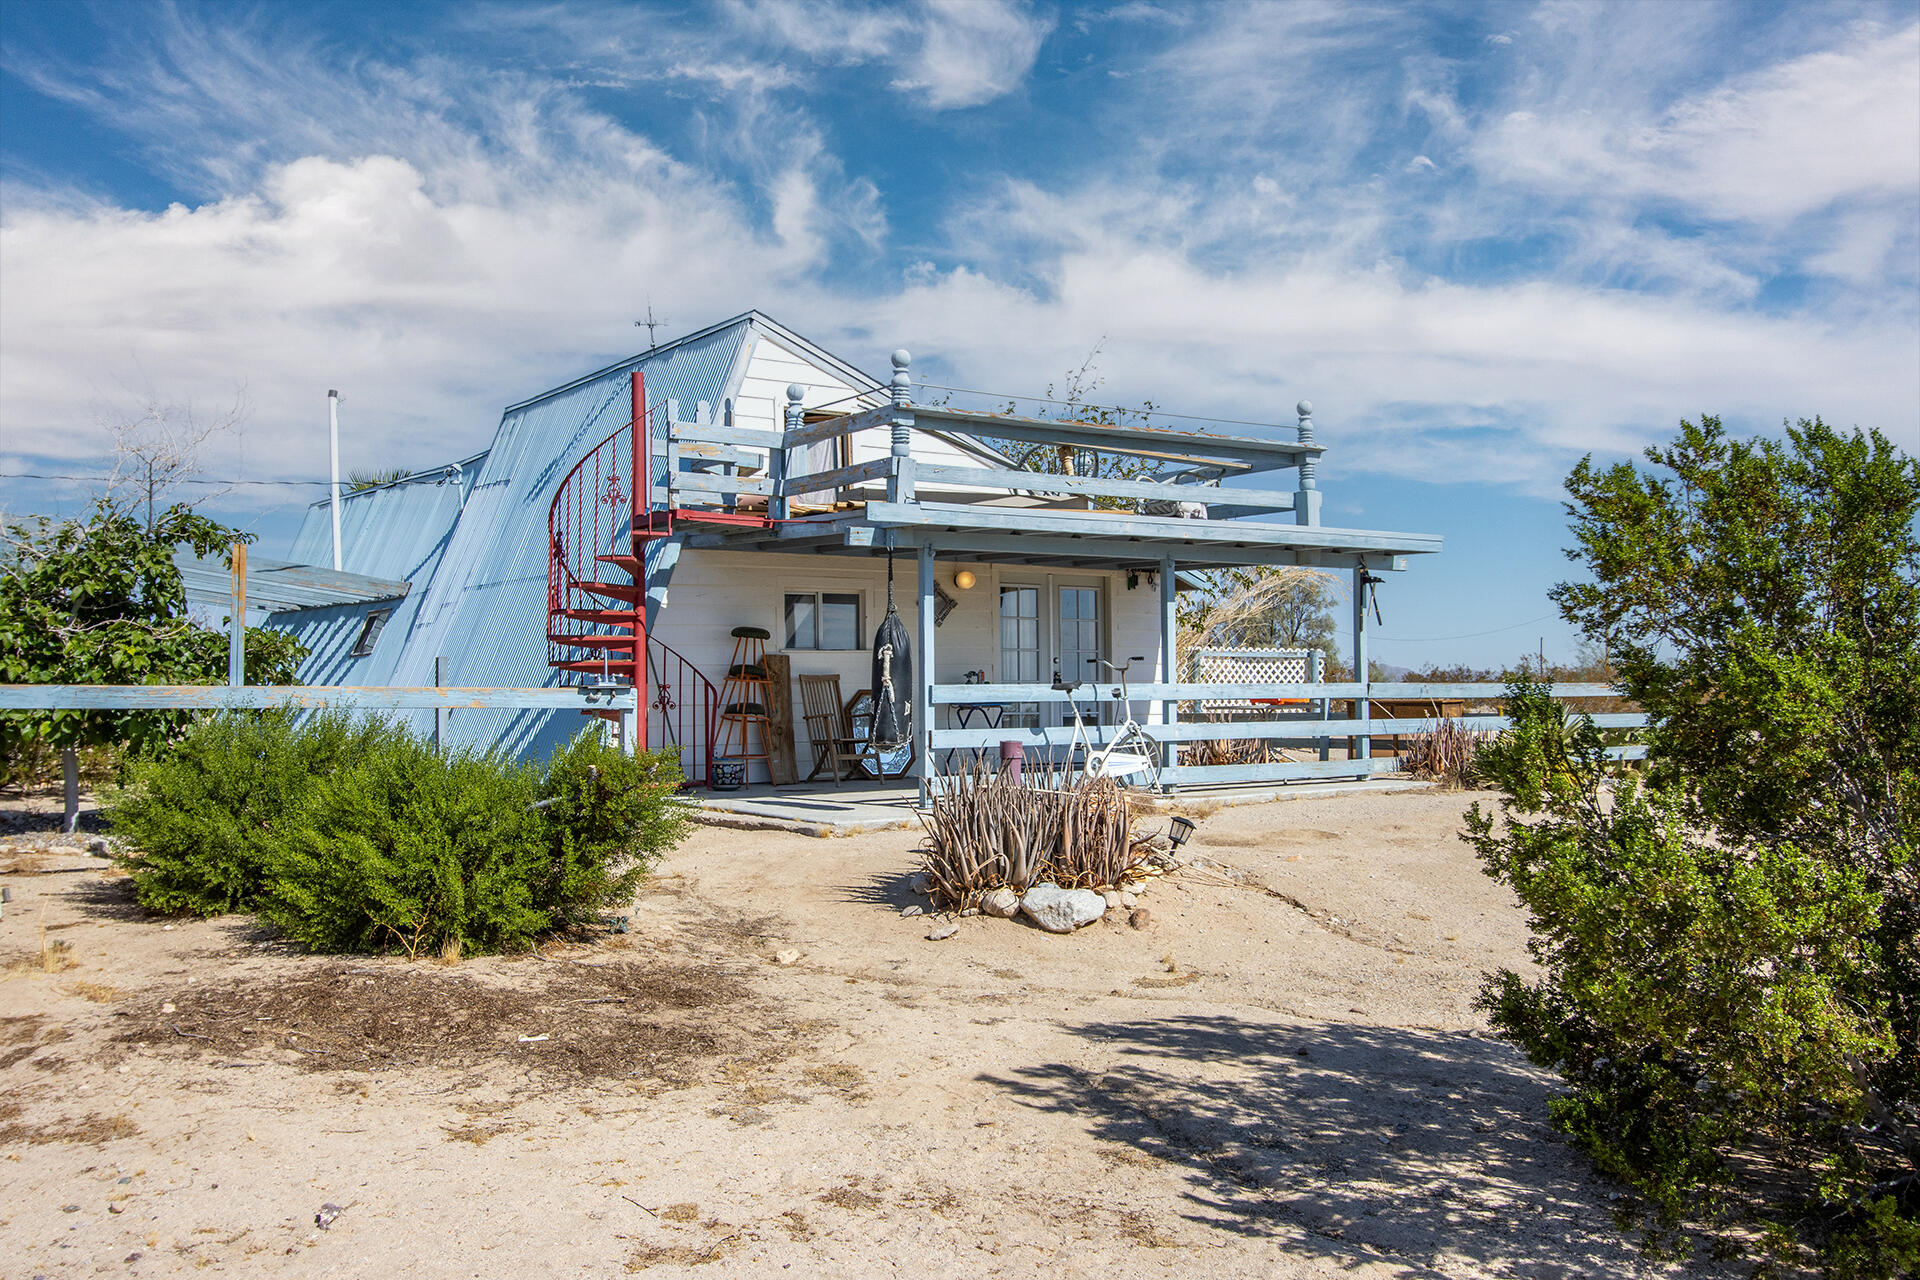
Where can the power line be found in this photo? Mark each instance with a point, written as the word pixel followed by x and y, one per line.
pixel 1114 408
pixel 1471 635
pixel 45 475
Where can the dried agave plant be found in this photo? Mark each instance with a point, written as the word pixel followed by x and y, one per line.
pixel 987 830
pixel 1444 753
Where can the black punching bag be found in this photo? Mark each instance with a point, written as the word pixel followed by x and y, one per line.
pixel 892 677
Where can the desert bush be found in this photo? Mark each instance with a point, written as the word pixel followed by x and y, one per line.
pixel 1729 952
pixel 357 836
pixel 204 810
pixel 988 830
pixel 1445 753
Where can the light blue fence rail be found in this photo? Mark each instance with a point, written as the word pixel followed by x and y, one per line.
pixel 217 697
pixel 1307 723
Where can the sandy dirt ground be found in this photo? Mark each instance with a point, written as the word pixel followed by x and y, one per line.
pixel 1280 1075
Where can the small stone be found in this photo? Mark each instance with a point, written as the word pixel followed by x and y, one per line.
pixel 1113 899
pixel 328 1212
pixel 969 911
pixel 1129 900
pixel 918 883
pixel 124 1069
pixel 942 933
pixel 167 1007
pixel 69 1208
pixel 1060 910
pixel 786 957
pixel 114 1208
pixel 1140 918
pixel 98 847
pixel 1002 903
pixel 910 911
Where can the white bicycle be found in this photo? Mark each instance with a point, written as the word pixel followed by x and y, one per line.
pixel 1130 758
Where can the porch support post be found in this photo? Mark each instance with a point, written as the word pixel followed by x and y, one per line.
pixel 1169 653
pixel 900 479
pixel 1306 502
pixel 1316 673
pixel 1362 707
pixel 923 722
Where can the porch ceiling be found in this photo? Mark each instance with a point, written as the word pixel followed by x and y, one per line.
pixel 1106 539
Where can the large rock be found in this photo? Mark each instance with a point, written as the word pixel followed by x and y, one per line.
pixel 1060 910
pixel 1002 903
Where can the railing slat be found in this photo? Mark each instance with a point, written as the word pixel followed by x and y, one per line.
pixel 1099 691
pixel 214 697
pixel 1292 730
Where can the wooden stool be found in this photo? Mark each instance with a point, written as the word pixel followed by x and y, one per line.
pixel 743 704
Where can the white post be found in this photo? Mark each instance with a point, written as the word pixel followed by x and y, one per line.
pixel 900 482
pixel 1362 708
pixel 1169 653
pixel 923 722
pixel 1316 674
pixel 333 468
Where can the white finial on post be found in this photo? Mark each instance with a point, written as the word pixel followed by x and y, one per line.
pixel 900 482
pixel 1306 502
pixel 778 503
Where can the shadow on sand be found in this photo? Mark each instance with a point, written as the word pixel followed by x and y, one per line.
pixel 1427 1147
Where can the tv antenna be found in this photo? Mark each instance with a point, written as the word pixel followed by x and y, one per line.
pixel 650 324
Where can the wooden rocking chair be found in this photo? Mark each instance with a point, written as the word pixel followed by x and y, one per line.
pixel 833 743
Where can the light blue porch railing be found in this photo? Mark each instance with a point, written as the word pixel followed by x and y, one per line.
pixel 1309 730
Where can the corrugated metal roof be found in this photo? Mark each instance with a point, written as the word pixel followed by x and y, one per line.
pixel 278 586
pixel 476 550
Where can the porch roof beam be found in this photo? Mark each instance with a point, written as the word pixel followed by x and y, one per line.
pixel 1160 531
pixel 1202 447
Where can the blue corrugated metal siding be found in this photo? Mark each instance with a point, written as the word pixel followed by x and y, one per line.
pixel 480 591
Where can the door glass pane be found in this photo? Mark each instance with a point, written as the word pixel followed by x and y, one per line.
pixel 800 632
pixel 839 621
pixel 1079 641
pixel 1020 648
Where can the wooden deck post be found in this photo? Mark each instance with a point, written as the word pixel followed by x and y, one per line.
pixel 1169 653
pixel 900 480
pixel 923 722
pixel 1362 708
pixel 237 624
pixel 1306 502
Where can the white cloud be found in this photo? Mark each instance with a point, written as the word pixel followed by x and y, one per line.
pixel 1772 145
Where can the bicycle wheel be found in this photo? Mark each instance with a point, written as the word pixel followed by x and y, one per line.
pixel 1136 743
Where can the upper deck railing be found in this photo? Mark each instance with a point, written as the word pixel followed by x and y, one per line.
pixel 708 462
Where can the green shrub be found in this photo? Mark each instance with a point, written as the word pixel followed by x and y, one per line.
pixel 357 836
pixel 1729 955
pixel 203 810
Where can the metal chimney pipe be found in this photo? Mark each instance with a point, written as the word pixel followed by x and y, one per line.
pixel 333 449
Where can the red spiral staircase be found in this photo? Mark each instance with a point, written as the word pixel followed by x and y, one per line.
pixel 598 528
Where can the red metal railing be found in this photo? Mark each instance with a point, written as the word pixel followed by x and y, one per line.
pixel 598 527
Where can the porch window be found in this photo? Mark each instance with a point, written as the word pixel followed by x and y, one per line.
pixel 823 620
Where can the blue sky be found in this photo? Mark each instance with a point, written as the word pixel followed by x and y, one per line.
pixel 1483 239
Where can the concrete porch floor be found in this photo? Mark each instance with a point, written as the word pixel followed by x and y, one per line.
pixel 858 807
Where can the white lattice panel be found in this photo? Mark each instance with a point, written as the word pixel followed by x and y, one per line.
pixel 1250 666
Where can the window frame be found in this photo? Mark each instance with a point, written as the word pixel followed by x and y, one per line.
pixel 371 628
pixel 819 599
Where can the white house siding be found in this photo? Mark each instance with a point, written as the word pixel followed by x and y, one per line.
pixel 762 399
pixel 715 591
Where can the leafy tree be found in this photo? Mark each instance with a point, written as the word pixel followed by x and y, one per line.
pixel 1074 405
pixel 1271 606
pixel 374 478
pixel 1730 951
pixel 100 601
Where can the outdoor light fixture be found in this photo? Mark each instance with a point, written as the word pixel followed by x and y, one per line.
pixel 1180 830
pixel 964 579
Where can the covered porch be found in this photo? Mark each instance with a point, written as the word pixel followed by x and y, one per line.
pixel 1197 500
